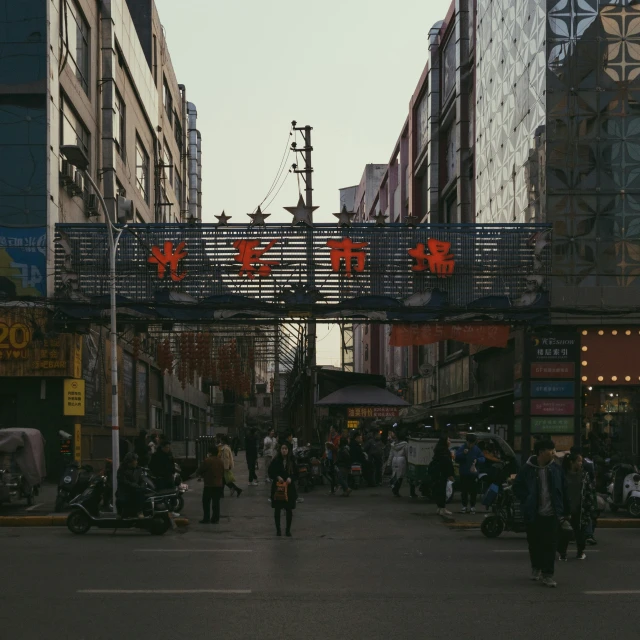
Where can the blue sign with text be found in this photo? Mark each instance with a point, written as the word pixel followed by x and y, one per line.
pixel 555 389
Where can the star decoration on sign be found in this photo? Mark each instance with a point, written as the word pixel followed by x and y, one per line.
pixel 411 220
pixel 380 219
pixel 301 213
pixel 344 217
pixel 258 218
pixel 223 219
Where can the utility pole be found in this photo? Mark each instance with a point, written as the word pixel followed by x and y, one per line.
pixel 307 174
pixel 275 401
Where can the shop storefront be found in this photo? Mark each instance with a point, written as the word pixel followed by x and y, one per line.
pixel 610 377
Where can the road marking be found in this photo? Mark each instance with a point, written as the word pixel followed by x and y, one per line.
pixel 35 506
pixel 193 550
pixel 163 591
pixel 527 551
pixel 611 593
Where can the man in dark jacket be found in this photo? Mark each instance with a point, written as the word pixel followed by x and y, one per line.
pixel 468 456
pixel 540 489
pixel 162 466
pixel 374 448
pixel 251 451
pixel 212 473
pixel 130 491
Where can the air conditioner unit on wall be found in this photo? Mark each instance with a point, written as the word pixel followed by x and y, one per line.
pixel 125 209
pixel 92 204
pixel 66 173
pixel 76 187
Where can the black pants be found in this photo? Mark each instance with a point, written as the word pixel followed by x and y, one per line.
pixel 251 464
pixel 211 504
pixel 542 538
pixel 377 471
pixel 276 513
pixel 440 492
pixel 397 485
pixel 469 490
pixel 563 541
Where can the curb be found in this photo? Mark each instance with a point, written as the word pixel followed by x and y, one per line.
pixel 52 521
pixel 604 523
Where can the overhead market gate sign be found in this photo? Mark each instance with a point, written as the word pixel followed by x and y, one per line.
pixel 397 271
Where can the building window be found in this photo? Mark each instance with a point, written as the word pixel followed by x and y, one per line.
pixel 450 150
pixel 167 100
pixel 179 191
pixel 177 129
pixel 167 170
pixel 266 402
pixel 72 130
pixel 75 42
pixel 449 69
pixel 120 190
pixel 142 170
pixel 119 129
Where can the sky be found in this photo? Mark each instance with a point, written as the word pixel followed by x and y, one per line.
pixel 348 68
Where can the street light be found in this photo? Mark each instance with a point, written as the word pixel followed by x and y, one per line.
pixel 78 158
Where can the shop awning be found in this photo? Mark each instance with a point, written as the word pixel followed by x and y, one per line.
pixel 362 395
pixel 469 405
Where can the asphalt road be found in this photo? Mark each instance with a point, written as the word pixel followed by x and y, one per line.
pixel 369 566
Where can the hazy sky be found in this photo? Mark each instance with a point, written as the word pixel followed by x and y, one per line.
pixel 348 68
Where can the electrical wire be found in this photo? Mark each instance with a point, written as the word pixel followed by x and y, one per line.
pixel 283 160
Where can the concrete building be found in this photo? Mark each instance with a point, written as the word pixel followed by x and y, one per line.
pixel 527 113
pixel 97 74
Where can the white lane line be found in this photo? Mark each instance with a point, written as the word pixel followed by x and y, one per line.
pixel 162 591
pixel 193 550
pixel 611 593
pixel 35 506
pixel 527 551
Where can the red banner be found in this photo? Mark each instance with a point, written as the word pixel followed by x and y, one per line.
pixel 372 412
pixel 411 335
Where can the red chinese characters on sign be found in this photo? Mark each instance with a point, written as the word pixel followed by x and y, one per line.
pixel 250 256
pixel 169 259
pixel 346 250
pixel 438 260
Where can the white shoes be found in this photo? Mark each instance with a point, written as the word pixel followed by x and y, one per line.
pixel 444 512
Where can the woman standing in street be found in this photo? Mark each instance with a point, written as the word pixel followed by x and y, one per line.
pixel 227 460
pixel 283 471
pixel 441 471
pixel 581 504
pixel 398 462
pixel 269 452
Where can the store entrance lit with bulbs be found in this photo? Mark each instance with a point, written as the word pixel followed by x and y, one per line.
pixel 610 377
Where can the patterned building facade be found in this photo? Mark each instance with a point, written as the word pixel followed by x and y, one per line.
pixel 528 111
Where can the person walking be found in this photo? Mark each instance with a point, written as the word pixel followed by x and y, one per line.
pixel 343 466
pixel 163 466
pixel 251 453
pixel 269 452
pixel 226 456
pixel 397 461
pixel 468 456
pixel 283 471
pixel 332 446
pixel 540 489
pixel 141 449
pixel 441 471
pixel 581 503
pixel 211 471
pixel 374 448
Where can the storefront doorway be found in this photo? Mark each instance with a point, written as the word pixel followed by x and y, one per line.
pixel 610 423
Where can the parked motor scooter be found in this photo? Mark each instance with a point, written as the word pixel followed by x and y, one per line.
pixel 177 503
pixel 624 490
pixel 85 511
pixel 73 481
pixel 506 514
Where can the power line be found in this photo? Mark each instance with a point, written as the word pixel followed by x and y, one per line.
pixel 283 160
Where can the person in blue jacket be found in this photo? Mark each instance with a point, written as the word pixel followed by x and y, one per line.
pixel 468 456
pixel 540 488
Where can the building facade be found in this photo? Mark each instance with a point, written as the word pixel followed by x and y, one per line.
pixel 96 74
pixel 526 113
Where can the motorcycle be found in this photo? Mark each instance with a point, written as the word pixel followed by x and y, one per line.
pixel 85 511
pixel 177 503
pixel 73 481
pixel 303 462
pixel 624 490
pixel 506 514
